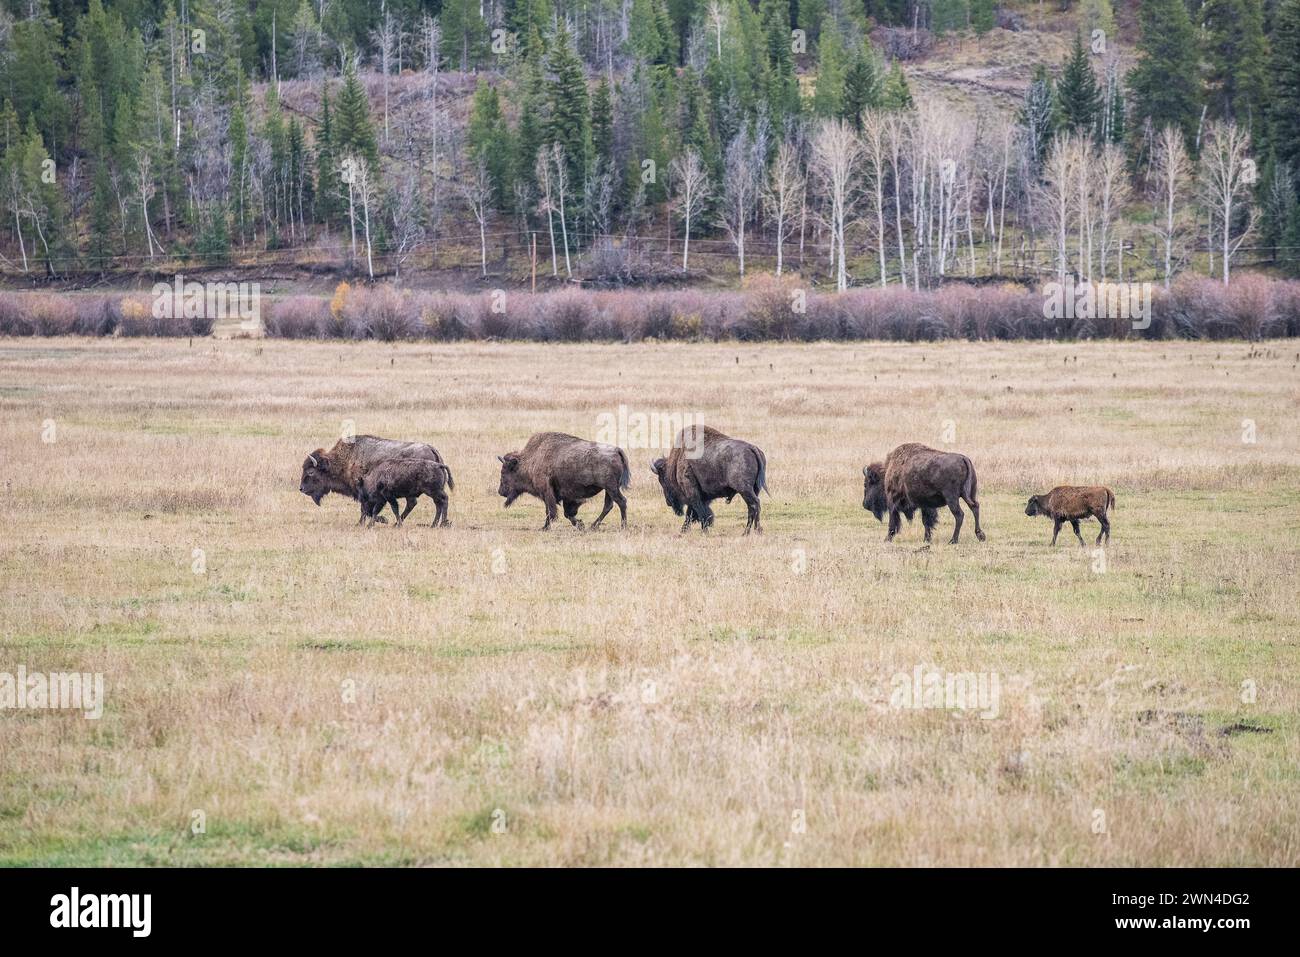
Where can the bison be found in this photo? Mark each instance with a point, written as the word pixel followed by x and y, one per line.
pixel 916 477
pixel 704 465
pixel 341 469
pixel 566 470
pixel 406 476
pixel 1072 503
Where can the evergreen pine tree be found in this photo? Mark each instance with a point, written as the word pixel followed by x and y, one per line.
pixel 1237 64
pixel 1286 86
pixel 1077 96
pixel 1165 85
pixel 863 85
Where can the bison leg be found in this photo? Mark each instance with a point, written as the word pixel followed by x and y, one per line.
pixel 895 523
pixel 753 507
pixel 410 504
pixel 1105 528
pixel 621 501
pixel 1056 528
pixel 929 519
pixel 954 506
pixel 1074 524
pixel 975 511
pixel 548 499
pixel 702 512
pixel 609 504
pixel 571 513
pixel 440 516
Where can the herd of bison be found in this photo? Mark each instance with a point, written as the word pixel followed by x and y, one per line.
pixel 703 465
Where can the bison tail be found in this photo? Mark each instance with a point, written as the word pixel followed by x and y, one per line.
pixel 451 482
pixel 625 479
pixel 1110 500
pixel 970 491
pixel 760 483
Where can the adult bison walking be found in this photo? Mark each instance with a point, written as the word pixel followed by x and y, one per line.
pixel 565 470
pixel 916 477
pixel 341 469
pixel 704 465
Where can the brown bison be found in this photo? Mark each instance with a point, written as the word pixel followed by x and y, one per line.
pixel 341 469
pixel 916 477
pixel 406 476
pixel 1072 503
pixel 704 465
pixel 566 470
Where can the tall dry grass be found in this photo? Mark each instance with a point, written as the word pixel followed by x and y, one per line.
pixel 489 694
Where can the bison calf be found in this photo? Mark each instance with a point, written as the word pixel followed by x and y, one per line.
pixel 341 469
pixel 408 477
pixel 1072 503
pixel 565 470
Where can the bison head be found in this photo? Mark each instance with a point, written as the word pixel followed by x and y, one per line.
pixel 873 490
pixel 511 482
pixel 1034 507
pixel 315 482
pixel 660 468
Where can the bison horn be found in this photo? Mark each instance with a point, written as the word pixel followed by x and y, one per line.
pixel 866 471
pixel 501 460
pixel 314 463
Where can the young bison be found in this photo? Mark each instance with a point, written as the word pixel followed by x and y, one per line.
pixel 341 469
pixel 1071 503
pixel 565 470
pixel 408 477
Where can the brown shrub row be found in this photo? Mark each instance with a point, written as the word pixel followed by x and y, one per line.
pixel 62 314
pixel 1252 307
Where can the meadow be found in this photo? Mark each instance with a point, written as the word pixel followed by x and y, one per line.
pixel 285 688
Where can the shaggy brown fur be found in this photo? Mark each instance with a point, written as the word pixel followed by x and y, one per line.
pixel 703 465
pixel 341 469
pixel 565 470
pixel 407 476
pixel 1073 503
pixel 915 477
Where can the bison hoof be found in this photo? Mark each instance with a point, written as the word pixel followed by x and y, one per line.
pixel 981 536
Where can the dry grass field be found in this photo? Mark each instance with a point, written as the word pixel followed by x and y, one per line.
pixel 283 687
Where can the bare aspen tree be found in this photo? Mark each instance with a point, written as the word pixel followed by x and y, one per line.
pixel 741 184
pixel 691 180
pixel 546 201
pixel 1226 177
pixel 348 177
pixel 385 40
pixel 783 195
pixel 144 176
pixel 561 190
pixel 475 186
pixel 1171 172
pixel 1056 193
pixel 1084 203
pixel 835 153
pixel 1112 196
pixel 365 191
pixel 897 130
pixel 405 214
pixel 875 152
pixel 717 17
